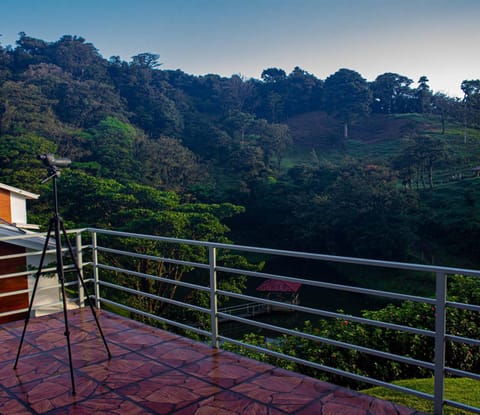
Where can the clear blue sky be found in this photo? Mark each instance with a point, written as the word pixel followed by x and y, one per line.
pixel 436 38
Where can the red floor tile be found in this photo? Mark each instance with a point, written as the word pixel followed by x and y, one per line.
pixel 226 369
pixel 228 403
pixel 166 393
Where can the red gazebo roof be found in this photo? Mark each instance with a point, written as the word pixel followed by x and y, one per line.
pixel 279 286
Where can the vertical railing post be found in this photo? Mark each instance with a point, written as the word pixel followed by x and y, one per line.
pixel 79 255
pixel 213 295
pixel 440 331
pixel 96 284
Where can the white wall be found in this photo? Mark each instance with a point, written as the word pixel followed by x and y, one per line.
pixel 18 209
pixel 48 292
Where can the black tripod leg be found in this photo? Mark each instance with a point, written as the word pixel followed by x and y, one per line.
pixel 61 276
pixel 79 276
pixel 37 278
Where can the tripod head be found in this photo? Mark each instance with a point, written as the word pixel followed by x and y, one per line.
pixel 53 164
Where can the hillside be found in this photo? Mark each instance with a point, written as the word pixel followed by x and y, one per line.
pixel 340 165
pixel 315 129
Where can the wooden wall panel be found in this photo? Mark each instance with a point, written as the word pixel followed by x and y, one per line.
pixel 5 206
pixel 9 266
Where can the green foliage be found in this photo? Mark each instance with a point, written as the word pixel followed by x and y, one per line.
pixel 19 164
pixel 166 164
pixel 347 96
pixel 460 322
pixel 113 144
pixel 24 109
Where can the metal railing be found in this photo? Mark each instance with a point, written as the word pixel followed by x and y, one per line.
pixel 139 275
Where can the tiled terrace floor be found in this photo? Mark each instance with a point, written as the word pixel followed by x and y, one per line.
pixel 153 372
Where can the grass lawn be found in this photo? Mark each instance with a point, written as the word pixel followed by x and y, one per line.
pixel 465 391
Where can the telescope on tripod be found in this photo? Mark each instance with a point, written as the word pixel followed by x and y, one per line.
pixel 56 225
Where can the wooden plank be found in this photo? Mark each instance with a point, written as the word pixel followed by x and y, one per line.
pixel 9 266
pixel 5 206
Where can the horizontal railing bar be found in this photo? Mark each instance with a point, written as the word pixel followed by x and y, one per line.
pixel 39 288
pixel 154 297
pixel 157 318
pixel 153 277
pixel 26 254
pixel 35 307
pixel 297 254
pixel 13 312
pixel 56 303
pixel 153 257
pixel 462 373
pixel 330 314
pixel 32 272
pixel 460 339
pixel 18 274
pixel 462 406
pixel 463 306
pixel 320 284
pixel 356 377
pixel 240 307
pixel 331 342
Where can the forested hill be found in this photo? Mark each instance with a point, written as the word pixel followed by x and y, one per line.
pixel 339 165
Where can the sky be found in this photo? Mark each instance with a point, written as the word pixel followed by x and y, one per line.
pixel 436 38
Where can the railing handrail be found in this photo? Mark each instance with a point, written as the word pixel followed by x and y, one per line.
pixel 297 254
pixel 270 251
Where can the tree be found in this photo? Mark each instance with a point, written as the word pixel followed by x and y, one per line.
pixel 113 145
pixel 143 209
pixel 79 58
pixel 274 139
pixel 150 99
pixel 444 106
pixel 347 96
pixel 81 103
pixel 303 93
pixel 166 164
pixel 271 75
pixel 367 215
pixel 418 158
pixel 390 92
pixel 5 63
pixel 471 102
pixel 23 107
pixel 423 95
pixel 146 60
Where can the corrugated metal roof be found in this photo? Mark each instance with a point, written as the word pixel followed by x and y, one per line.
pixel 12 235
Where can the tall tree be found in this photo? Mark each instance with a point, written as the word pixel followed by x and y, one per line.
pixel 444 106
pixel 471 102
pixel 347 96
pixel 390 93
pixel 273 75
pixel 423 95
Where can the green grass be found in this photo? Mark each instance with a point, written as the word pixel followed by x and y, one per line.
pixel 465 391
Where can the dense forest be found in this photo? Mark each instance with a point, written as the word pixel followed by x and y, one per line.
pixel 382 169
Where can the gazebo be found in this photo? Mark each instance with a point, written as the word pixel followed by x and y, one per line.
pixel 284 291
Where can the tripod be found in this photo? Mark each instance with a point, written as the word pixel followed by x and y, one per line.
pixel 56 224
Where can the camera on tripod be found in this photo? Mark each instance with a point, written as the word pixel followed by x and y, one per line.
pixel 53 164
pixel 51 161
